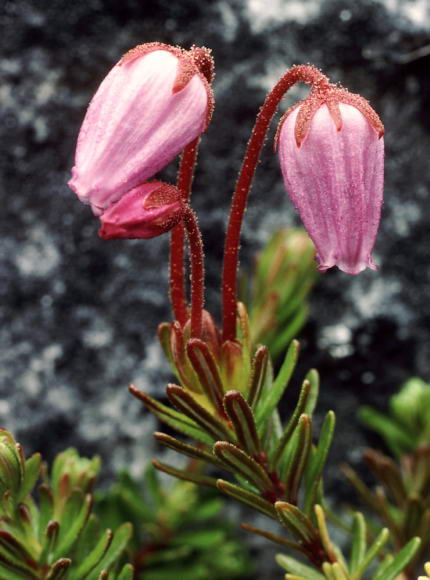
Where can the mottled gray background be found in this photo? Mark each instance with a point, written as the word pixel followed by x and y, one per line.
pixel 78 315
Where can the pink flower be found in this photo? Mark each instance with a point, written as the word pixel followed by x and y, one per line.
pixel 146 211
pixel 332 158
pixel 153 103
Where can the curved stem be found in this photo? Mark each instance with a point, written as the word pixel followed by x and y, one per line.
pixel 197 271
pixel 303 73
pixel 177 282
pixel 177 269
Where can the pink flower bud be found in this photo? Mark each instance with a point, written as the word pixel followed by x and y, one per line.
pixel 332 158
pixel 146 211
pixel 153 103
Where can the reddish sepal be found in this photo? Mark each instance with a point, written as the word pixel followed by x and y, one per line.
pixel 331 96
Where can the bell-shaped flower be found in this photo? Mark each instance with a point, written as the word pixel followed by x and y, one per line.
pixel 146 211
pixel 154 102
pixel 332 155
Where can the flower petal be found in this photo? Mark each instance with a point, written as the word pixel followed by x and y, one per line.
pixel 335 180
pixel 134 126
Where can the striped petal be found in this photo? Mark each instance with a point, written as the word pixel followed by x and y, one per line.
pixel 335 181
pixel 135 125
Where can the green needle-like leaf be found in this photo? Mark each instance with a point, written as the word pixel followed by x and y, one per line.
pixel 239 462
pixel 247 497
pixel 46 504
pixel 295 567
pixel 271 398
pixel 292 423
pixel 75 515
pixel 299 458
pixel 51 534
pixel 94 557
pixel 332 552
pixel 116 548
pixel 57 471
pixel 259 370
pixel 296 522
pixel 373 551
pixel 163 333
pixel 32 470
pixel 12 460
pixel 400 562
pixel 311 401
pixel 359 541
pixel 206 369
pixel 178 421
pixel 317 461
pixel 190 407
pixel 92 530
pixel 186 449
pixel 386 562
pixel 242 419
pixel 185 475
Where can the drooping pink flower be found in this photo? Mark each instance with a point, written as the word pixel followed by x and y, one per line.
pixel 153 103
pixel 146 211
pixel 332 155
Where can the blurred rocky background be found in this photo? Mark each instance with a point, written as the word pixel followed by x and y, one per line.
pixel 79 315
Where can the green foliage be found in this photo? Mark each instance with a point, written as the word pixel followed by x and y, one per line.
pixel 228 404
pixel 179 531
pixel 276 295
pixel 277 470
pixel 56 536
pixel 401 500
pixel 407 426
pixel 363 557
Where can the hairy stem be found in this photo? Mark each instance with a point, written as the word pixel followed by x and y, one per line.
pixel 302 73
pixel 177 266
pixel 197 271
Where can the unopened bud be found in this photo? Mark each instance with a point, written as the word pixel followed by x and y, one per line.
pixel 144 212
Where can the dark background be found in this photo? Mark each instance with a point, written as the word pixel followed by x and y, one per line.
pixel 79 315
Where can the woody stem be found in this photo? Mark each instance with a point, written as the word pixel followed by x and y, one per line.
pixel 197 271
pixel 177 268
pixel 302 73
